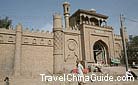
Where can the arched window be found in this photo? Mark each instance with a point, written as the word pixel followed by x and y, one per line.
pixel 42 41
pixel 49 42
pixel 67 9
pixel 34 41
pixel 94 21
pixel 1 39
pixel 26 40
pixel 10 39
pixel 87 20
pixel 82 19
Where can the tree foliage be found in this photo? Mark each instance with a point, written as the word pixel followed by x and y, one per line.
pixel 135 40
pixel 5 23
pixel 133 49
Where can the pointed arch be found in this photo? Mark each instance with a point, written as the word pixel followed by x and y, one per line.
pixel 100 51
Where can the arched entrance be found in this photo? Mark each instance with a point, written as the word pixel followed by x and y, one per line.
pixel 100 51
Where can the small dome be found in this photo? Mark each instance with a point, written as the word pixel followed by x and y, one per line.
pixel 66 3
pixel 92 10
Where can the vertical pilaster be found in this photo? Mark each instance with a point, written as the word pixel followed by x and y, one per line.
pixel 58 44
pixel 17 58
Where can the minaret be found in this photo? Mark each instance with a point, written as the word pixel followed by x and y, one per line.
pixel 66 7
pixel 58 44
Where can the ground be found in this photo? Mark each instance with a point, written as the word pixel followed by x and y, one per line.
pixel 114 71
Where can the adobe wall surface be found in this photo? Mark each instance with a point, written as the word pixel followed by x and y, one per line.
pixel 36 52
pixel 7 48
pixel 72 49
pixel 118 46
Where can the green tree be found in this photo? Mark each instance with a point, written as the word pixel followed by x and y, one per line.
pixel 133 49
pixel 135 40
pixel 5 23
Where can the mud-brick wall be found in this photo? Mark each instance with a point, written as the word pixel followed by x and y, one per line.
pixel 7 48
pixel 37 53
pixel 25 53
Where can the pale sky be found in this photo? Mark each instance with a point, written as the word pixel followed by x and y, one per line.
pixel 38 13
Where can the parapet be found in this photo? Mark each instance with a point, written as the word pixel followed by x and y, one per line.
pixel 37 33
pixel 42 38
pixel 7 31
pixel 56 16
pixel 117 37
pixel 7 36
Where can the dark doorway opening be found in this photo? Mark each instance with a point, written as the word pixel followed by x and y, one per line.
pixel 100 51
